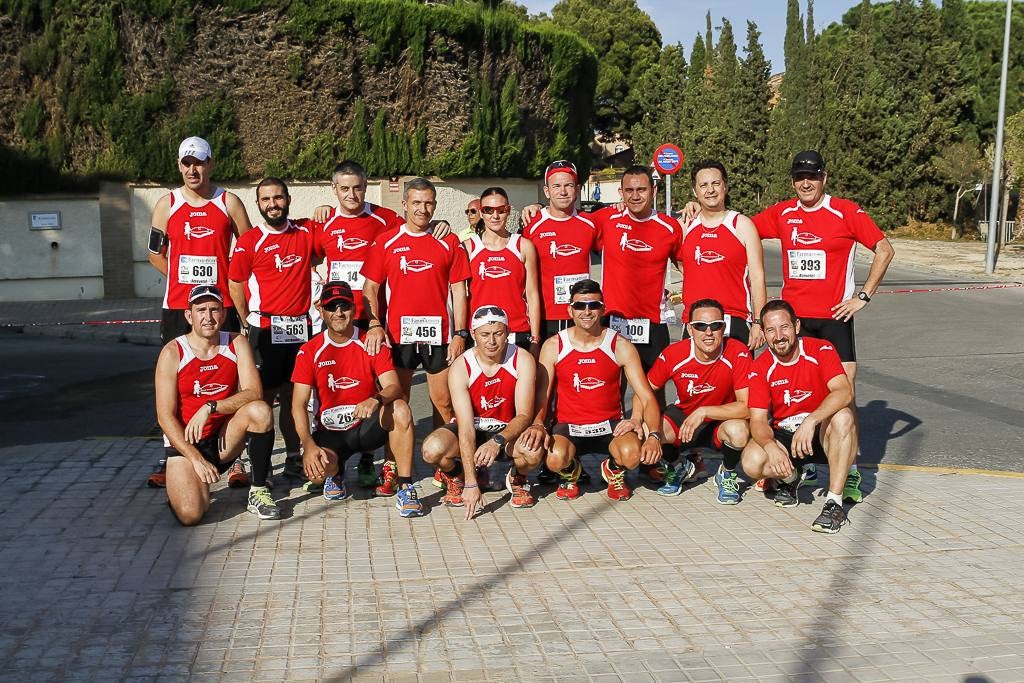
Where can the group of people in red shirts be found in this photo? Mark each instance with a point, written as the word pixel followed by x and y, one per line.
pixel 527 356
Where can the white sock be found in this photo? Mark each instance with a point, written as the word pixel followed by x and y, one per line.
pixel 835 498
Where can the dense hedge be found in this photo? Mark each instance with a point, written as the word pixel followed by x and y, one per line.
pixel 76 47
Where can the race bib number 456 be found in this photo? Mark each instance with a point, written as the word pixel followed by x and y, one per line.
pixel 421 329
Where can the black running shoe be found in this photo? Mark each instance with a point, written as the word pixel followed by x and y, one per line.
pixel 546 476
pixel 787 494
pixel 830 519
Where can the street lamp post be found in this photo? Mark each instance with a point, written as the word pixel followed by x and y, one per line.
pixel 993 207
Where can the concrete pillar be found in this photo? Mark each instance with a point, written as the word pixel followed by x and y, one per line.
pixel 116 241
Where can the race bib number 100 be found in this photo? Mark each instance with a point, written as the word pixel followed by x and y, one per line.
pixel 197 270
pixel 421 329
pixel 288 330
pixel 807 264
pixel 636 330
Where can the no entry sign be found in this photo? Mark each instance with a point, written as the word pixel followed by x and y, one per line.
pixel 668 158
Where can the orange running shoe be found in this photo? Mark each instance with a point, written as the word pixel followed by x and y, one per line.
pixel 388 480
pixel 453 486
pixel 237 478
pixel 519 486
pixel 617 487
pixel 568 486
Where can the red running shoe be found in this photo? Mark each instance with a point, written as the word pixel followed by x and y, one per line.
pixel 519 486
pixel 568 485
pixel 617 488
pixel 453 485
pixel 388 480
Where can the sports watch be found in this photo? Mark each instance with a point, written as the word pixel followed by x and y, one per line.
pixel 462 333
pixel 863 296
pixel 500 440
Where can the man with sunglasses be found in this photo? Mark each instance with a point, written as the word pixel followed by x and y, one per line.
pixel 359 407
pixel 819 235
pixel 421 274
pixel 492 388
pixel 580 375
pixel 710 375
pixel 799 412
pixel 472 220
pixel 208 406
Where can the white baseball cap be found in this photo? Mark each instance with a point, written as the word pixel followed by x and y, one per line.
pixel 485 315
pixel 194 147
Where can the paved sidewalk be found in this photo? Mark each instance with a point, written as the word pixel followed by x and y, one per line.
pixel 102 584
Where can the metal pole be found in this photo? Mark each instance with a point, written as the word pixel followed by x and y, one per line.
pixel 668 194
pixel 993 207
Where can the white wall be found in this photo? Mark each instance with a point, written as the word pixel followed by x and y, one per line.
pixel 31 269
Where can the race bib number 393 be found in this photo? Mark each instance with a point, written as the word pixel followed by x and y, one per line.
pixel 197 270
pixel 807 264
pixel 636 330
pixel 421 329
pixel 288 330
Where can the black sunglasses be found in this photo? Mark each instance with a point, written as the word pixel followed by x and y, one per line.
pixel 336 306
pixel 485 311
pixel 561 163
pixel 469 211
pixel 713 325
pixel 587 305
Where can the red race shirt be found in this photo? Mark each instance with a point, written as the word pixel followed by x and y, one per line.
pixel 587 382
pixel 200 381
pixel 563 254
pixel 274 265
pixel 714 264
pixel 698 383
pixel 198 247
pixel 417 271
pixel 788 389
pixel 635 253
pixel 818 246
pixel 493 396
pixel 342 375
pixel 345 241
pixel 499 279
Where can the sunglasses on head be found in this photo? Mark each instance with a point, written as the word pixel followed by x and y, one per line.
pixel 560 164
pixel 469 211
pixel 587 305
pixel 488 210
pixel 485 311
pixel 713 325
pixel 336 306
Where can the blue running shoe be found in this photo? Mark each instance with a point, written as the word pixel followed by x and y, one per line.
pixel 408 503
pixel 676 475
pixel 334 488
pixel 809 476
pixel 728 487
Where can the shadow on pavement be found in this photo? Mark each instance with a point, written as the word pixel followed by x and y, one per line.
pixel 880 424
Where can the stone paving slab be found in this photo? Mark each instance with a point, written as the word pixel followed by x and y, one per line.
pixel 102 584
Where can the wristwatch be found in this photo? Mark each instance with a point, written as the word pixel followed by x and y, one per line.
pixel 462 333
pixel 863 296
pixel 500 440
pixel 212 405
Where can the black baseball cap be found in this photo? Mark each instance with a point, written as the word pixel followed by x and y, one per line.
pixel 808 163
pixel 336 291
pixel 203 291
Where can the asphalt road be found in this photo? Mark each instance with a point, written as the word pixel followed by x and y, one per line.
pixel 941 378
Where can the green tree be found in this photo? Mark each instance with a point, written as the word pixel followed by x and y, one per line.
pixel 629 44
pixel 753 95
pixel 961 165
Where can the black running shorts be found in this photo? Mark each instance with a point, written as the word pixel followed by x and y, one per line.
pixel 839 332
pixel 366 437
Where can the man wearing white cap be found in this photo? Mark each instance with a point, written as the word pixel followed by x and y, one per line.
pixel 190 244
pixel 492 390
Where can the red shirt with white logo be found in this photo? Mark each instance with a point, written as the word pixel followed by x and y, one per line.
pixel 714 263
pixel 342 375
pixel 417 270
pixel 493 396
pixel 274 265
pixel 818 246
pixel 798 386
pixel 499 279
pixel 198 247
pixel 700 383
pixel 587 383
pixel 200 380
pixel 635 253
pixel 563 254
pixel 344 241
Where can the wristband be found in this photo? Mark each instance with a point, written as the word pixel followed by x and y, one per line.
pixel 755 322
pixel 212 405
pixel 373 326
pixel 470 486
pixel 656 435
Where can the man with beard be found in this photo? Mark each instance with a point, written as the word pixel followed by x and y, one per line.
pixel 799 412
pixel 190 244
pixel 269 280
pixel 492 389
pixel 208 404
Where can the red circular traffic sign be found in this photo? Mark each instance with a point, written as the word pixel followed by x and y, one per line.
pixel 668 158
